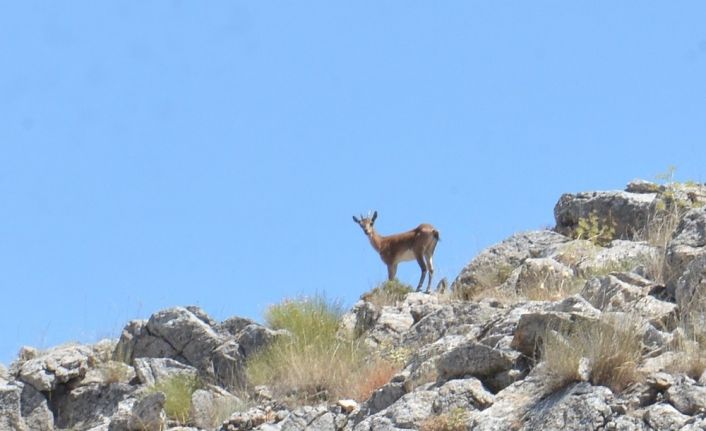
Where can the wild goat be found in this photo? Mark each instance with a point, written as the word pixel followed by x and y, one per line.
pixel 418 243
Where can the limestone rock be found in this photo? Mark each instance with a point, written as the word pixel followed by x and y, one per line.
pixel 152 370
pixel 35 410
pixel 148 413
pixel 664 417
pixel 627 212
pixel 89 406
pixel 208 404
pixel 493 266
pixel 56 366
pixel 690 290
pixel 687 244
pixel 687 397
pixel 10 416
pixel 580 406
pixel 475 359
pixel 467 394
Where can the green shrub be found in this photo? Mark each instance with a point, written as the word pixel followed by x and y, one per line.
pixel 178 390
pixel 593 228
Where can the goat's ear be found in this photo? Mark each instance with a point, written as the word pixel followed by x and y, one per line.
pixel 375 215
pixel 356 220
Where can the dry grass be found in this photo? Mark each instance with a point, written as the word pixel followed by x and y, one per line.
pixel 388 293
pixel 486 279
pixel 454 420
pixel 373 377
pixel 313 363
pixel 658 232
pixel 610 349
pixel 690 342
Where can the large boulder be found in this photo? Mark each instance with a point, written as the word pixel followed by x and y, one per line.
pixel 475 359
pixel 494 265
pixel 90 406
pixel 627 213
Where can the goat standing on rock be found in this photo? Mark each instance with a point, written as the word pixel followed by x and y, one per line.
pixel 418 243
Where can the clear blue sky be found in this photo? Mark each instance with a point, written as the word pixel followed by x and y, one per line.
pixel 157 153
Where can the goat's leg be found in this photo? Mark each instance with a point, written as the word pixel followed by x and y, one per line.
pixel 430 266
pixel 391 271
pixel 423 266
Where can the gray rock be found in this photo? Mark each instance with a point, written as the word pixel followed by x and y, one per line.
pixel 56 366
pixel 467 394
pixel 539 274
pixel 35 410
pixel 618 256
pixel 209 406
pixel 254 337
pixel 690 291
pixel 687 243
pixel 187 333
pixel 494 265
pixel 229 366
pixel 628 212
pixel 3 374
pixel 307 417
pixel 137 342
pixel 577 407
pixel 642 186
pixel 533 326
pixel 148 413
pixel 687 397
pixel 10 414
pixel 609 293
pixel 664 417
pixel 233 325
pixel 153 370
pixel 475 359
pixel 411 409
pixel 626 423
pixel 90 406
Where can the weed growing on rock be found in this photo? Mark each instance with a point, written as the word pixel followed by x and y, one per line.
pixel 178 390
pixel 390 292
pixel 594 229
pixel 454 420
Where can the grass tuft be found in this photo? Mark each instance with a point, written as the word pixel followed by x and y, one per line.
pixel 178 390
pixel 313 363
pixel 390 292
pixel 610 350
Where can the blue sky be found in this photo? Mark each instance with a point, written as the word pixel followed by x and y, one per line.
pixel 156 153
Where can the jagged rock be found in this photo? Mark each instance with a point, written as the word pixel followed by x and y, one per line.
pixel 57 366
pixel 35 410
pixel 539 274
pixel 688 243
pixel 577 407
pixel 470 319
pixel 187 333
pixel 382 398
pixel 626 423
pixel 512 403
pixel 494 265
pixel 254 337
pixel 627 212
pixel 347 406
pixel 148 413
pixel 3 374
pixel 90 406
pixel 687 397
pixel 690 291
pixel 137 342
pixel 152 370
pixel 610 293
pixel 467 394
pixel 406 413
pixel 475 359
pixel 642 186
pixel 229 366
pixel 309 418
pixel 618 256
pixel 207 405
pixel 532 327
pixel 10 413
pixel 108 372
pixel 664 417
pixel 253 418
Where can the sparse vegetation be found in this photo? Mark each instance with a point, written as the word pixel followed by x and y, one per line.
pixel 610 349
pixel 486 280
pixel 314 362
pixel 388 293
pixel 114 371
pixel 373 377
pixel 178 390
pixel 454 420
pixel 593 228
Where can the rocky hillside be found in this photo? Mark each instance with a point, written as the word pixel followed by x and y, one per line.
pixel 597 324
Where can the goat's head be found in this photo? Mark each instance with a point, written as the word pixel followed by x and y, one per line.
pixel 366 223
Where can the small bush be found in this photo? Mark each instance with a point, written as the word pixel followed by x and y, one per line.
pixel 610 347
pixel 373 377
pixel 390 292
pixel 593 228
pixel 178 390
pixel 454 420
pixel 313 363
pixel 114 372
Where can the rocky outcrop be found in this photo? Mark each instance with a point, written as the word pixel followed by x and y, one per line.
pixel 475 358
